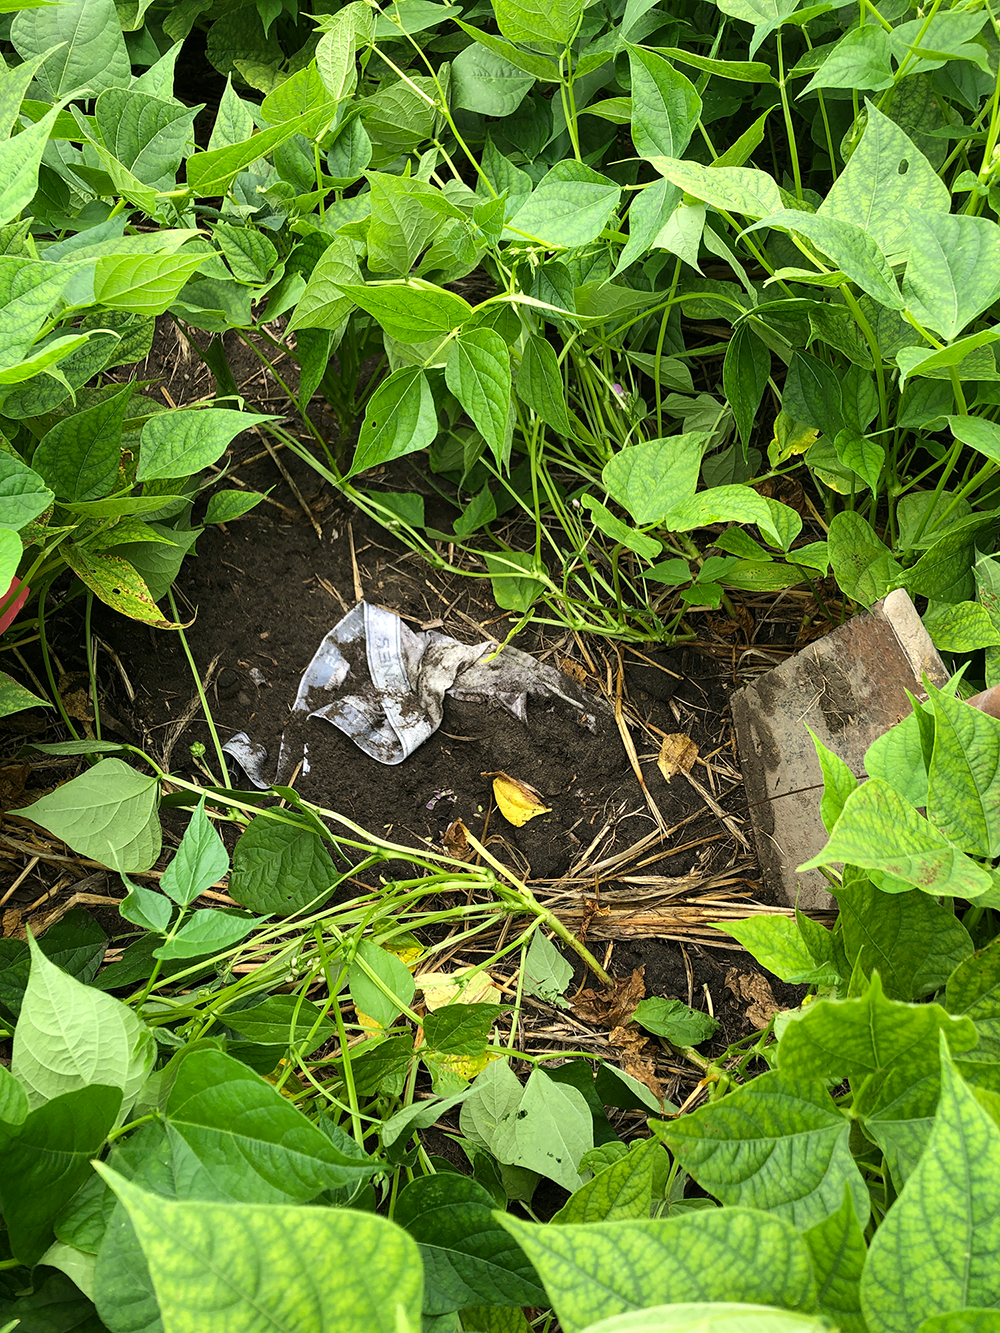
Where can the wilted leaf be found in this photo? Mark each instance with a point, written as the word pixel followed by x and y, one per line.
pixel 517 801
pixel 677 755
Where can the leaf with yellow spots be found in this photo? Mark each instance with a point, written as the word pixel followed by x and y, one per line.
pixel 517 801
pixel 117 583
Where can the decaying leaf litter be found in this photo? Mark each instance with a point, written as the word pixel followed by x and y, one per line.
pixel 639 871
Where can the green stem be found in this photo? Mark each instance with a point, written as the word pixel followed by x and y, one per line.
pixel 201 693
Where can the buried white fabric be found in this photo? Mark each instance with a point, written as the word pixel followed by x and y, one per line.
pixel 383 684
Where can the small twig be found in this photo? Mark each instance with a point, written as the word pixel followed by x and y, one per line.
pixel 359 592
pixel 290 481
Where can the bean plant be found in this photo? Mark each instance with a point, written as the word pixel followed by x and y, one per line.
pixel 629 311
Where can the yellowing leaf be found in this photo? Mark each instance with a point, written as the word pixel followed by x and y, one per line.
pixel 677 755
pixel 517 801
pixel 368 1023
pixel 790 437
pixel 464 1066
pixel 117 583
pixel 441 988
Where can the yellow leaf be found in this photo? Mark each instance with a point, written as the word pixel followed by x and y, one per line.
pixel 517 801
pixel 465 1066
pixel 369 1024
pixel 790 437
pixel 677 755
pixel 441 988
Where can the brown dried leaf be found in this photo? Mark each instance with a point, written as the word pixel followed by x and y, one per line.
pixel 753 990
pixel 517 801
pixel 575 670
pixel 637 1056
pixel 455 841
pixel 677 755
pixel 611 1008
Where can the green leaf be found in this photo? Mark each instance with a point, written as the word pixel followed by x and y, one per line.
pixel 953 273
pixel 879 831
pixel 853 250
pixel 648 547
pixel 213 172
pixel 108 813
pixel 831 1039
pixel 913 942
pixel 13 1104
pixel 861 59
pixel 49 1160
pixel 23 493
pixel 620 1192
pixel 779 1144
pixel 252 1265
pixel 838 782
pixel 569 207
pixel 978 433
pixel 199 861
pixel 539 384
pixel 226 506
pixel 406 217
pixel 79 456
pixel 897 757
pixel 411 312
pixel 974 990
pixel 183 441
pixel 780 946
pixel 20 158
pixel 207 931
pixel 764 15
pixel 91 50
pixel 546 1127
pixel 510 576
pixel 547 974
pixel 460 1029
pixel 963 797
pixel 369 997
pixel 886 176
pixel 711 1317
pixel 143 284
pixel 282 1020
pixel 28 291
pixel 252 1144
pixel 863 567
pixel 249 254
pixel 648 478
pixel 936 1249
pixel 721 503
pixel 281 868
pixel 487 82
pixel 602 1269
pixel 322 304
pixel 478 373
pixel 665 105
pixel 969 358
pixel 469 1259
pixel 963 1321
pixel 72 1036
pixel 148 135
pixel 400 419
pixel 838 1251
pixel 741 190
pixel 533 21
pixel 681 1025
pixel 14 698
pixel 745 372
